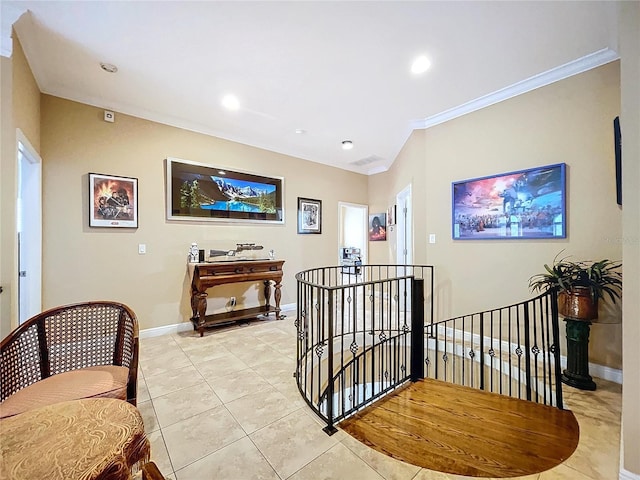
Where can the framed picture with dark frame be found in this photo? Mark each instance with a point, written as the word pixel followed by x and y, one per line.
pixel 524 204
pixel 113 201
pixel 378 227
pixel 199 192
pixel 309 215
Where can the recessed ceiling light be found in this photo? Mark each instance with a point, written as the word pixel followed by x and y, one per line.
pixel 230 102
pixel 107 67
pixel 420 65
pixel 347 144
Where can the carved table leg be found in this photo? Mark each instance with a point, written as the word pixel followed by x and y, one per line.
pixel 277 296
pixel 267 292
pixel 199 308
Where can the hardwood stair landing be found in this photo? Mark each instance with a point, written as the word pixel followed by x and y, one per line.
pixel 465 431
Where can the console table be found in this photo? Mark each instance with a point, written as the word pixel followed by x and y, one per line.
pixel 211 274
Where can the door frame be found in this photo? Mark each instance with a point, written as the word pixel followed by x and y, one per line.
pixel 365 229
pixel 29 246
pixel 404 227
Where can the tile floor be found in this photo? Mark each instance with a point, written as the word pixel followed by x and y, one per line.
pixel 225 406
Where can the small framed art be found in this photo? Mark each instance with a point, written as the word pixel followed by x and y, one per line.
pixel 378 227
pixel 113 201
pixel 309 215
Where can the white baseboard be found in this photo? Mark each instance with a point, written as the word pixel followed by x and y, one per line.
pixel 599 371
pixel 187 326
pixel 627 475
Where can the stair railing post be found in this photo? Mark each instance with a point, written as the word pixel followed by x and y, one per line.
pixel 555 346
pixel 330 428
pixel 527 351
pixel 417 329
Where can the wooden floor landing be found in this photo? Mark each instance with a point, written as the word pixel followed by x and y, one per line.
pixel 465 431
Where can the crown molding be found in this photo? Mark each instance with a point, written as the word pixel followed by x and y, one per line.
pixel 588 62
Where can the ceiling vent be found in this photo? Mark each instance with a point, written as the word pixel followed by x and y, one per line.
pixel 366 161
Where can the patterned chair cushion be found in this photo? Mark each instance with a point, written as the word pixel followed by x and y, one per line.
pixel 105 381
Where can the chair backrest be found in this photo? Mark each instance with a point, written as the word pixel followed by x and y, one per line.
pixel 68 338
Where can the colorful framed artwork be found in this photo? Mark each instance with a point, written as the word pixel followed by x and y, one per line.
pixel 113 201
pixel 309 215
pixel 525 204
pixel 377 227
pixel 391 215
pixel 199 192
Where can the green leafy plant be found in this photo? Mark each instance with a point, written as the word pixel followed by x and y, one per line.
pixel 600 277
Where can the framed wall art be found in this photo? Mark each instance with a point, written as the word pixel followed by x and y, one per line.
pixel 199 192
pixel 391 215
pixel 377 227
pixel 309 215
pixel 515 205
pixel 113 201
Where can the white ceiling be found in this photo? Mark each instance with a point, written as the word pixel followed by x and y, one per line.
pixel 339 70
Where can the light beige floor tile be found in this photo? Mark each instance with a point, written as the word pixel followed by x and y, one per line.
pixel 386 466
pixel 185 403
pixel 597 455
pixel 221 366
pixel 257 354
pixel 159 454
pixel 205 353
pixel 173 381
pixel 292 442
pixel 337 462
pixel 259 409
pixel 563 472
pixel 149 418
pixel 278 370
pixel 235 385
pixel 142 394
pixel 200 435
pixel 290 390
pixel 238 461
pixel 164 362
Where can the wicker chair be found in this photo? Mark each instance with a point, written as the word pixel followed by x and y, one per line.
pixel 76 351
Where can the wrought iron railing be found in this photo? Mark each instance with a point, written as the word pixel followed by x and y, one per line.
pixel 362 332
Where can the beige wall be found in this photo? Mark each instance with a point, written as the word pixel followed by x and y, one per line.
pixel 20 109
pixel 407 169
pixel 569 121
pixel 630 125
pixel 82 263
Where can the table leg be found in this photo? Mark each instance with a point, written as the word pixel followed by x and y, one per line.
pixel 267 292
pixel 199 308
pixel 277 295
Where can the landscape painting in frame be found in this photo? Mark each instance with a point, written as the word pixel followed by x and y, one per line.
pixel 113 201
pixel 522 204
pixel 204 192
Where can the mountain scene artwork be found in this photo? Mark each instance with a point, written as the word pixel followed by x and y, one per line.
pixel 214 193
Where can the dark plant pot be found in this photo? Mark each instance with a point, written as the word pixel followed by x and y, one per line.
pixel 578 304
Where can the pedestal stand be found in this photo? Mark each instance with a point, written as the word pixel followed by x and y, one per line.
pixel 577 371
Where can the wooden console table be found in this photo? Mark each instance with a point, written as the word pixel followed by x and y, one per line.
pixel 207 275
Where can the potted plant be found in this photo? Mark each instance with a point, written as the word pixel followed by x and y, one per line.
pixel 580 285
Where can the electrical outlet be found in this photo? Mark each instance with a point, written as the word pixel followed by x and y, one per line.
pixel 432 238
pixel 232 301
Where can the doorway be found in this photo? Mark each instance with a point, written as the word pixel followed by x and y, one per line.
pixel 353 230
pixel 404 231
pixel 29 229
